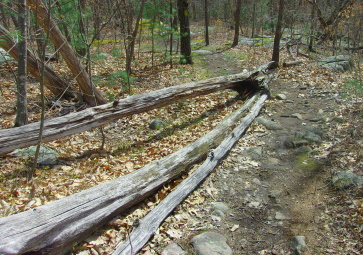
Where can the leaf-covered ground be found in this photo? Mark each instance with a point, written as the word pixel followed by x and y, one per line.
pixel 131 144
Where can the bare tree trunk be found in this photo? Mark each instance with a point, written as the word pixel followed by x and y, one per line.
pixel 21 103
pixel 278 33
pixel 185 46
pixel 237 20
pixel 91 94
pixel 52 80
pixel 206 22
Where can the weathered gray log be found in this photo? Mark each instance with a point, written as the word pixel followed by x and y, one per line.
pixel 55 227
pixel 150 223
pixel 292 63
pixel 24 136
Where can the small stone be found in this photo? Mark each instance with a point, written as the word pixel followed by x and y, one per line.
pixel 280 216
pixel 298 244
pixel 220 206
pixel 173 249
pixel 297 115
pixel 209 243
pixel 281 97
pixel 157 124
pixel 269 124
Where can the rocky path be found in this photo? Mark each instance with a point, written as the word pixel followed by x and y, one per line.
pixel 271 194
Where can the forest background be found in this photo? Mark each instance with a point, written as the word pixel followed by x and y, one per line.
pixel 71 55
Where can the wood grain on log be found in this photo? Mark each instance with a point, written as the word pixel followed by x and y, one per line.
pixel 24 136
pixel 150 223
pixel 55 227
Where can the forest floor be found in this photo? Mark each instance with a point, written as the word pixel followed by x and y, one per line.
pixel 273 192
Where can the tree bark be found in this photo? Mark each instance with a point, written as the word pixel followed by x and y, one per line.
pixel 278 33
pixel 206 22
pixel 52 80
pixel 237 21
pixel 185 46
pixel 55 227
pixel 21 82
pixel 11 139
pixel 151 222
pixel 91 94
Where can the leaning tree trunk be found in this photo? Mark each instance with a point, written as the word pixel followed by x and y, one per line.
pixel 52 80
pixel 14 138
pixel 91 94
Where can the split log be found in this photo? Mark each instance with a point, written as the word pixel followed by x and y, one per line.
pixel 27 135
pixel 55 227
pixel 52 80
pixel 151 222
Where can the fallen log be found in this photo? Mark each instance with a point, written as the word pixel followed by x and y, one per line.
pixel 150 223
pixel 292 63
pixel 55 227
pixel 27 135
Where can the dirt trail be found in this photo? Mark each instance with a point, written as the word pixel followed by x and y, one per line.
pixel 275 187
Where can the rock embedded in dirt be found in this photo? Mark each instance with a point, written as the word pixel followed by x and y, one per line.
pixel 173 249
pixel 47 155
pixel 211 243
pixel 255 153
pixel 269 124
pixel 298 244
pixel 157 124
pixel 345 180
pixel 338 63
pixel 281 97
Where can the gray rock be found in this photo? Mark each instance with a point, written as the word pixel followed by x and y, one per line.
pixel 281 97
pixel 338 63
pixel 157 124
pixel 297 115
pixel 281 216
pixel 345 180
pixel 269 124
pixel 292 142
pixel 308 135
pixel 298 244
pixel 202 52
pixel 220 206
pixel 219 210
pixel 173 249
pixel 255 153
pixel 47 156
pixel 211 243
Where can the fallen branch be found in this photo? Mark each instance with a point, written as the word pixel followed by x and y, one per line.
pixel 292 63
pixel 150 223
pixel 55 227
pixel 27 135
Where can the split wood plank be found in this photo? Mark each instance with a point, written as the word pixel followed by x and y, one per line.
pixel 151 222
pixel 55 128
pixel 55 227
